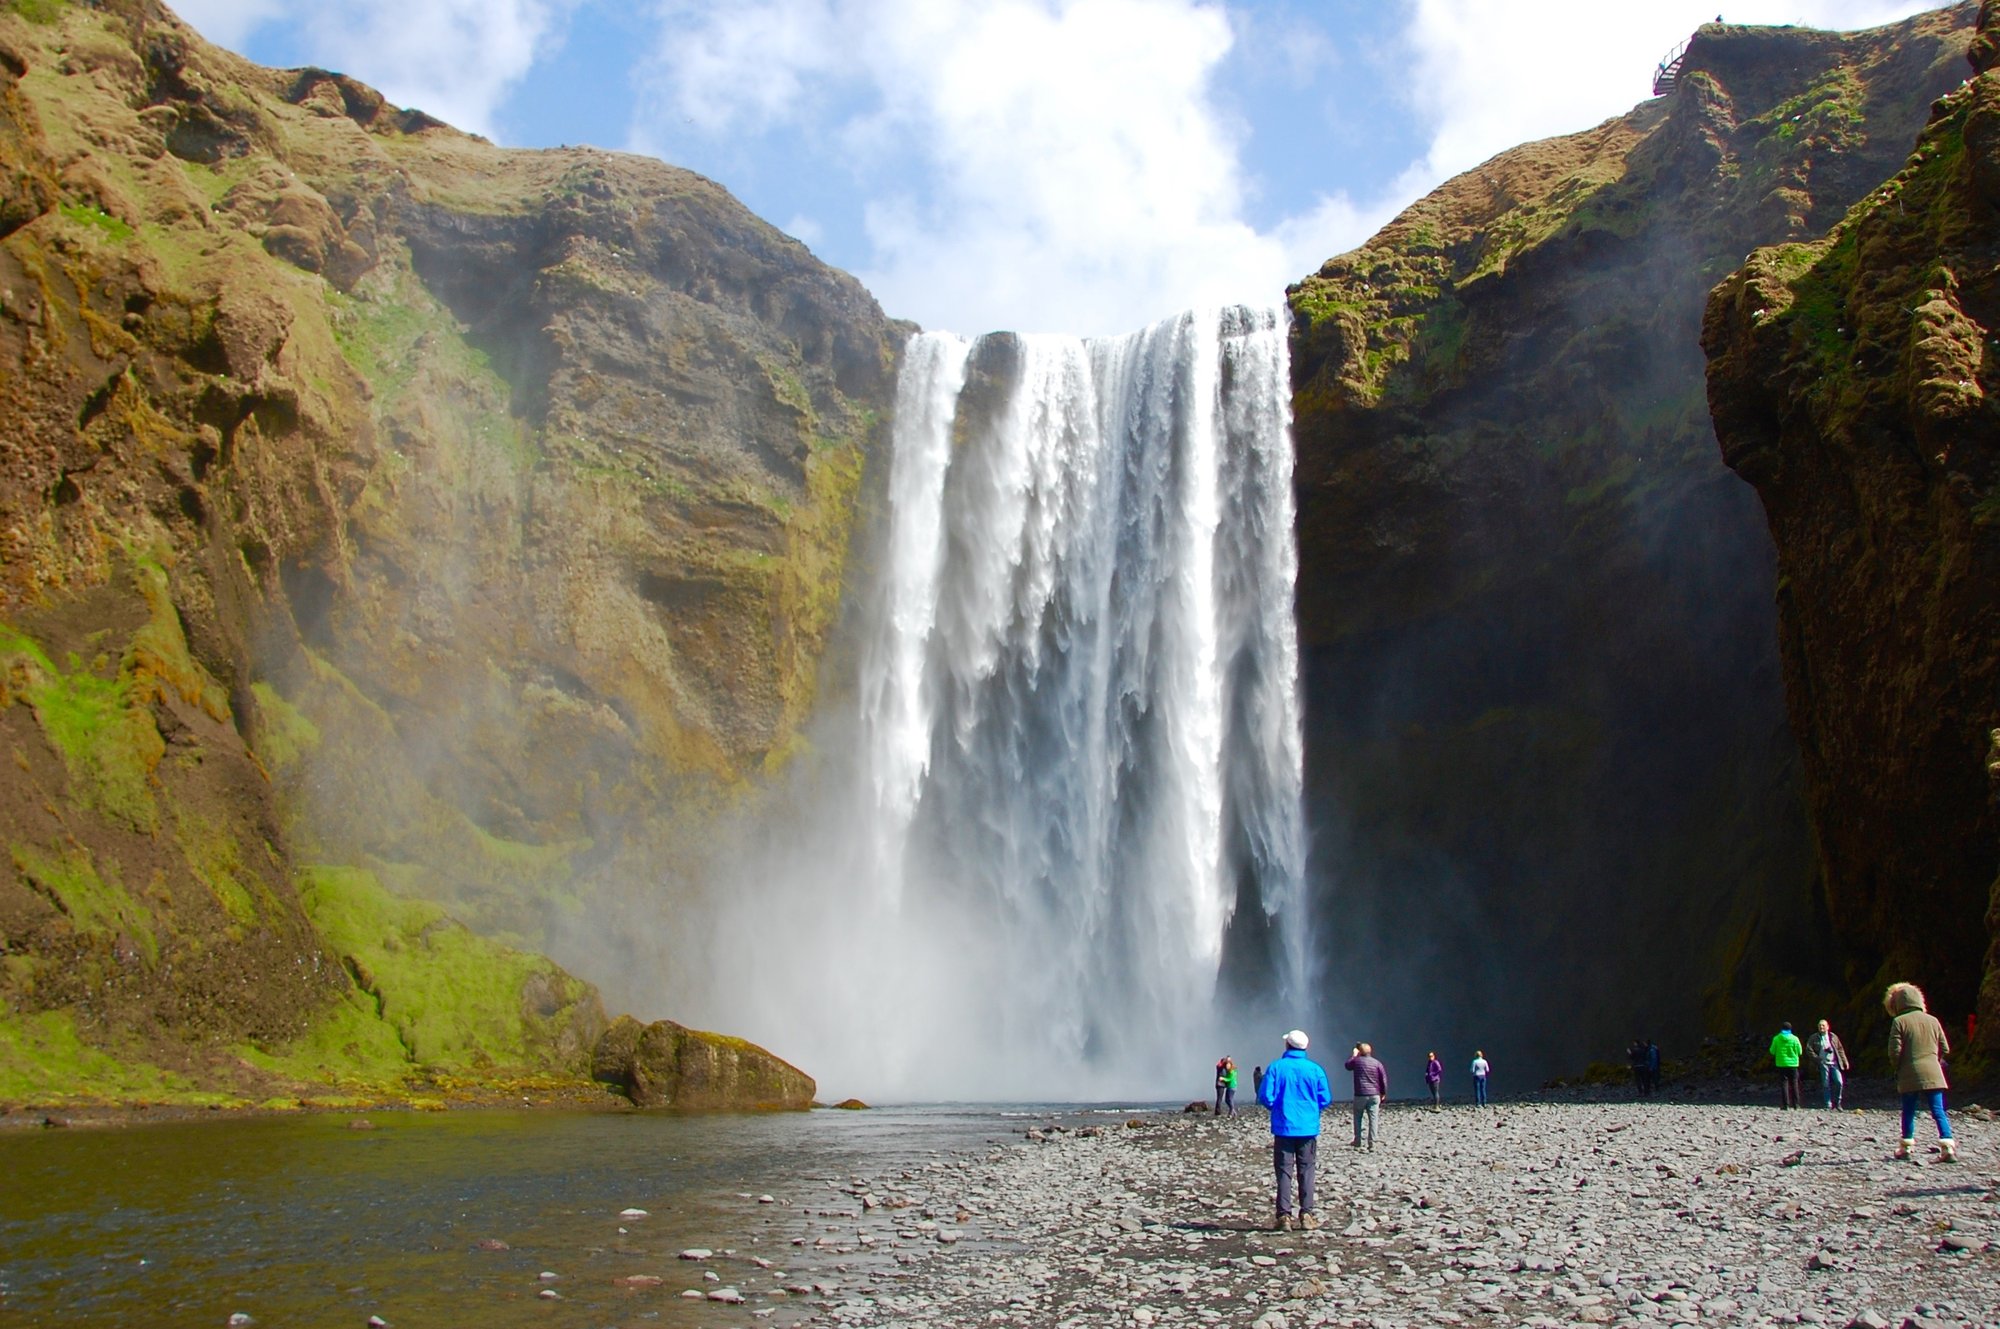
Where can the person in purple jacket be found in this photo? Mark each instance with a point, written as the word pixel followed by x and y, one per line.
pixel 1434 1081
pixel 1371 1086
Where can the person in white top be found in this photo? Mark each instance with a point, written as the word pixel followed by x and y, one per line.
pixel 1481 1068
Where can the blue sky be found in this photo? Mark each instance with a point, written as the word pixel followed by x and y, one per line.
pixel 1045 165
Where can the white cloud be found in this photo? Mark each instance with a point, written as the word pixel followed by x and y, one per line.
pixel 455 59
pixel 1490 74
pixel 1074 170
pixel 228 22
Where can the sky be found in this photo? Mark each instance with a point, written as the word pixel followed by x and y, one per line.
pixel 1081 166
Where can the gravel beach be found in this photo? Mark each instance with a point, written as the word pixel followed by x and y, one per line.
pixel 1526 1214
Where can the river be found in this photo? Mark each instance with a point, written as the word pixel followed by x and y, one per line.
pixel 309 1220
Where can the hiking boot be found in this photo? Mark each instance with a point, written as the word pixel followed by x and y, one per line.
pixel 1284 1223
pixel 1310 1222
pixel 1906 1149
pixel 1949 1150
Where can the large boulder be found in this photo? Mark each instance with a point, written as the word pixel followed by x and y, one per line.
pixel 664 1064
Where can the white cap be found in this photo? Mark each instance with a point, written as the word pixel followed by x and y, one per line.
pixel 1297 1039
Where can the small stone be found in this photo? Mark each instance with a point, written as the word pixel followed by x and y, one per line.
pixel 1956 1244
pixel 377 1322
pixel 694 1294
pixel 548 1275
pixel 642 1280
pixel 766 1199
pixel 1868 1320
pixel 240 1318
pixel 697 1253
pixel 729 1296
pixel 632 1213
pixel 549 1294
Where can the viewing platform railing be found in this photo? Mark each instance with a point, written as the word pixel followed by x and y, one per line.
pixel 1668 76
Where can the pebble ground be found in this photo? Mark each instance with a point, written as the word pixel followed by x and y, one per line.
pixel 1540 1214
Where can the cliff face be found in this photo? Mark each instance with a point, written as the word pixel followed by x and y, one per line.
pixel 374 496
pixel 1852 382
pixel 1545 722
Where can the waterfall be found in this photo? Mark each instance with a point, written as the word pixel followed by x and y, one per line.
pixel 1079 732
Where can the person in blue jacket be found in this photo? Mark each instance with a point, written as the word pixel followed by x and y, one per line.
pixel 1295 1090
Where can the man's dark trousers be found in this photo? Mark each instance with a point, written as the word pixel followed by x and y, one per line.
pixel 1295 1153
pixel 1788 1083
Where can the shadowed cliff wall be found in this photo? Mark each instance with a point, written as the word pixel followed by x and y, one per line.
pixel 1554 798
pixel 1852 382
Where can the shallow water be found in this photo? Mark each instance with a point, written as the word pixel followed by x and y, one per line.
pixel 306 1221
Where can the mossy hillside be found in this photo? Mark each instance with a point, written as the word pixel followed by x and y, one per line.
pixel 93 902
pixel 500 500
pixel 89 714
pixel 430 997
pixel 44 1060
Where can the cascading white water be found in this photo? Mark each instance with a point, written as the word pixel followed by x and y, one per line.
pixel 1080 718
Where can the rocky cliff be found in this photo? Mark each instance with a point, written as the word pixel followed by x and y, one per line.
pixel 1852 382
pixel 1546 726
pixel 469 520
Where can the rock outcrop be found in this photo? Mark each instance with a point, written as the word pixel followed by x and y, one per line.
pixel 664 1064
pixel 374 496
pixel 1545 718
pixel 1852 381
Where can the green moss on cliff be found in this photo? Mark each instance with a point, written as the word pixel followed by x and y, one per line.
pixel 109 744
pixel 94 900
pixel 285 736
pixel 430 996
pixel 44 1060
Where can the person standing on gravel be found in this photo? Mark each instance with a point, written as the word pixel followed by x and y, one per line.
pixel 1225 1087
pixel 1434 1079
pixel 1652 1067
pixel 1917 1049
pixel 1833 1065
pixel 1785 1053
pixel 1371 1086
pixel 1481 1068
pixel 1294 1088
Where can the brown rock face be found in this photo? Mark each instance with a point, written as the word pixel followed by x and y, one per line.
pixel 1546 730
pixel 501 498
pixel 1852 383
pixel 664 1064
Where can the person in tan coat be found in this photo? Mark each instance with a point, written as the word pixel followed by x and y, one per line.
pixel 1917 1049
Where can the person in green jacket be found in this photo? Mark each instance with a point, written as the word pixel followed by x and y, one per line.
pixel 1786 1050
pixel 1225 1086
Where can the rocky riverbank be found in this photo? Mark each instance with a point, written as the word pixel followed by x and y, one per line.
pixel 1537 1214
